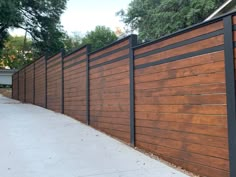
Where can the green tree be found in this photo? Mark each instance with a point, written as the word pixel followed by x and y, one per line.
pixel 16 52
pixel 155 18
pixel 72 42
pixel 40 18
pixel 99 38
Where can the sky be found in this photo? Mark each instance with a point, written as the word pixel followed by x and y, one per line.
pixel 84 15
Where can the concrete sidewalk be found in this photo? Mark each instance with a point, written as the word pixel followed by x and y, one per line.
pixel 36 142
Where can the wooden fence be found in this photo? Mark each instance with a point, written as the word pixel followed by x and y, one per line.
pixel 40 82
pixel 75 78
pixel 173 97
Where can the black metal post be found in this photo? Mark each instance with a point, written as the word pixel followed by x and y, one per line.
pixel 88 48
pixel 230 91
pixel 12 89
pixel 62 80
pixel 34 84
pixel 132 43
pixel 46 83
pixel 18 85
pixel 24 85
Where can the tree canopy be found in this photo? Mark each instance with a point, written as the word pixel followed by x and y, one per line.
pixel 19 51
pixel 41 21
pixel 16 53
pixel 99 38
pixel 40 18
pixel 156 18
pixel 72 41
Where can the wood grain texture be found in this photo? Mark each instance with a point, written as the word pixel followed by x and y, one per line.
pixel 75 85
pixel 15 86
pixel 29 90
pixel 196 46
pixel 109 91
pixel 40 82
pixel 22 85
pixel 110 49
pixel 180 106
pixel 54 83
pixel 188 35
pixel 180 96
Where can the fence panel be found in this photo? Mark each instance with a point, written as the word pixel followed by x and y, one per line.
pixel 184 94
pixel 22 85
pixel 180 100
pixel 109 90
pixel 75 84
pixel 40 81
pixel 54 83
pixel 29 84
pixel 15 84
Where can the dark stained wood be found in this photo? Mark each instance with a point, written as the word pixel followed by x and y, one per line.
pixel 183 72
pixel 188 35
pixel 208 43
pixel 110 57
pixel 180 106
pixel 192 90
pixel 117 46
pixel 185 63
pixel 184 81
pixel 29 90
pixel 114 65
pixel 207 150
pixel 40 82
pixel 15 89
pixel 196 163
pixel 211 120
pixel 75 85
pixel 109 92
pixel 185 100
pixel 54 84
pixel 22 85
pixel 183 136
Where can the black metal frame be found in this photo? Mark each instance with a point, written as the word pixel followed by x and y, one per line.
pixel 109 53
pixel 74 51
pixel 34 83
pixel 55 64
pixel 16 75
pixel 46 83
pixel 21 76
pixel 185 30
pixel 132 43
pixel 73 64
pixel 74 57
pixel 228 48
pixel 24 85
pixel 18 84
pixel 181 57
pixel 199 25
pixel 62 80
pixel 12 89
pixel 110 61
pixel 110 45
pixel 181 43
pixel 88 47
pixel 51 58
pixel 230 92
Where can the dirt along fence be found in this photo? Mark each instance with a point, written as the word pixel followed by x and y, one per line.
pixel 173 97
